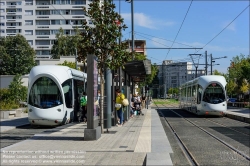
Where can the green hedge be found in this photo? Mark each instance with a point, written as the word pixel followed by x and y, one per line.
pixel 10 98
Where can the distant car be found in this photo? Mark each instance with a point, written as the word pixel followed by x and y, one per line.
pixel 232 100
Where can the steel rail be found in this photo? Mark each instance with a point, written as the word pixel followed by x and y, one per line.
pixel 218 139
pixel 184 149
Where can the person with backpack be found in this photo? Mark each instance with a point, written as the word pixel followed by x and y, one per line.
pixel 83 102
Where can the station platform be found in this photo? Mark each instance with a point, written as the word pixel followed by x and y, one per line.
pixel 241 114
pixel 13 122
pixel 140 141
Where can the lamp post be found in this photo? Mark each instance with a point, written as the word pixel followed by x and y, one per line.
pixel 132 25
pixel 76 58
pixel 212 60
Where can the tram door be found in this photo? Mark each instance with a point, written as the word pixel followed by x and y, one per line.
pixel 78 90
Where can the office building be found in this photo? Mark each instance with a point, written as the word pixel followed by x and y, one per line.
pixel 173 74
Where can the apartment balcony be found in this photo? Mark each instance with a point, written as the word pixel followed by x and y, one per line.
pixel 41 37
pixel 29 3
pixel 42 7
pixel 11 12
pixel 42 27
pixel 43 3
pixel 42 17
pixel 11 6
pixel 47 47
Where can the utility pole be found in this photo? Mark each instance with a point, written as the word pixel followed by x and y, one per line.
pixel 132 28
pixel 211 56
pixel 196 65
pixel 76 57
pixel 214 61
pixel 132 20
pixel 206 61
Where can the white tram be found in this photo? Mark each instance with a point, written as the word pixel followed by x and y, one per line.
pixel 205 95
pixel 53 94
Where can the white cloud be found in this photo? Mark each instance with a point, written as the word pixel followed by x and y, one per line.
pixel 143 20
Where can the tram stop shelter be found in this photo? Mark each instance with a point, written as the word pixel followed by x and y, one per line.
pixel 138 69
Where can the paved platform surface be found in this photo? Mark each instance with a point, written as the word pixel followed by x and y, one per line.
pixel 13 122
pixel 141 141
pixel 130 144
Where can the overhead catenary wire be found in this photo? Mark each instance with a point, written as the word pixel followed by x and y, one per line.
pixel 224 28
pixel 162 39
pixel 180 27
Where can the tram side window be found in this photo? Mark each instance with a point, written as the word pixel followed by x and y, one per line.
pixel 67 90
pixel 189 92
pixel 200 91
pixel 194 91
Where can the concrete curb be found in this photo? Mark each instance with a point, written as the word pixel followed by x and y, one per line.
pixel 160 146
pixel 238 117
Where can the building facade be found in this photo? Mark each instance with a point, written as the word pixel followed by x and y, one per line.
pixel 173 74
pixel 139 46
pixel 40 20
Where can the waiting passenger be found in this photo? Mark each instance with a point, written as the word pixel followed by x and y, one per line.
pixel 83 101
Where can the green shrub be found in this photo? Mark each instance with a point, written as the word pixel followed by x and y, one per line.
pixel 8 104
pixel 26 110
pixel 4 94
pixel 10 98
pixel 16 90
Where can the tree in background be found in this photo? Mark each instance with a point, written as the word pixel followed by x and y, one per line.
pixel 244 86
pixel 173 91
pixel 239 72
pixel 65 45
pixel 16 54
pixel 16 92
pixel 69 64
pixel 100 40
pixel 139 56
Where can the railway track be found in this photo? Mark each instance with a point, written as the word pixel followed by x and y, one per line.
pixel 19 134
pixel 207 140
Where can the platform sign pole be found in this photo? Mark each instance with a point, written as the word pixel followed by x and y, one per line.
pixel 93 131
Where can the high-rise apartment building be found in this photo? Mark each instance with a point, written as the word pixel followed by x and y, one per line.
pixel 39 20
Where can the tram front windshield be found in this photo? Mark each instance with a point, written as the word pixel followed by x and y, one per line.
pixel 214 94
pixel 45 94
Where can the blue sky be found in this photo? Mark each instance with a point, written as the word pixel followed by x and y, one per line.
pixel 158 22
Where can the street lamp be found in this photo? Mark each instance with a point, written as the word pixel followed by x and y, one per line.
pixel 212 60
pixel 132 24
